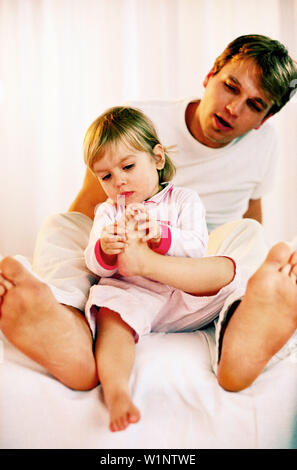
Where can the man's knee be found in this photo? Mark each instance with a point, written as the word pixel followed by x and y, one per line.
pixel 235 235
pixel 252 226
pixel 67 224
pixel 62 237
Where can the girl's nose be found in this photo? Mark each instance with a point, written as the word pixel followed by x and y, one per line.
pixel 119 180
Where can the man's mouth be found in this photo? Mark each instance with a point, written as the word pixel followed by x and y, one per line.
pixel 222 123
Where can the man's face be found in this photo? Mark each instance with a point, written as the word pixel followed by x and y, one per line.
pixel 233 103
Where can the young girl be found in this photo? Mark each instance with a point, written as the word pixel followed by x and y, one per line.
pixel 143 219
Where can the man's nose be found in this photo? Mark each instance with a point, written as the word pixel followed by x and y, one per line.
pixel 234 107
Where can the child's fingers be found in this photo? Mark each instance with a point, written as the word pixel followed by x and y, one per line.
pixel 115 251
pixel 135 206
pixel 148 230
pixel 151 230
pixel 111 244
pixel 115 248
pixel 115 233
pixel 113 239
pixel 141 216
pixel 136 211
pixel 150 236
pixel 118 228
pixel 147 225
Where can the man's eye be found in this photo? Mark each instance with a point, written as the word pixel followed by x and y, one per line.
pixel 128 167
pixel 230 87
pixel 254 106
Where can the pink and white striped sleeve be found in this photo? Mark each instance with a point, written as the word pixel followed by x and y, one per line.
pixel 105 215
pixel 189 236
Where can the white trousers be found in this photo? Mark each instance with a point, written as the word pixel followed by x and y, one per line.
pixel 59 253
pixel 59 260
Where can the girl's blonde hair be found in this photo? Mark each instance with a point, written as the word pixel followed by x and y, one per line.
pixel 130 126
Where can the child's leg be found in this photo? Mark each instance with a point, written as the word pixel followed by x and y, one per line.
pixel 115 352
pixel 201 276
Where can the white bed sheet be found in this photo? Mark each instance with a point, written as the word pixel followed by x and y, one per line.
pixel 181 403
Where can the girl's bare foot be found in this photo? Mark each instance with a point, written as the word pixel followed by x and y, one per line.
pixel 263 322
pixel 122 410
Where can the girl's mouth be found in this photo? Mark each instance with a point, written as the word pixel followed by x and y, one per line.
pixel 127 193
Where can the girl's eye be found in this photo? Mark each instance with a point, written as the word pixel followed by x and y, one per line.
pixel 128 167
pixel 106 177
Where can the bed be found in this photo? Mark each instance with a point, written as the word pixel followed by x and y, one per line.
pixel 173 384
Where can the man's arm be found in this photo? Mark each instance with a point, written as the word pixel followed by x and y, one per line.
pixel 254 210
pixel 89 196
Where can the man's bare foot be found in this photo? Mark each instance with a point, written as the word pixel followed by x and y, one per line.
pixel 263 322
pixel 5 286
pixel 122 410
pixel 46 331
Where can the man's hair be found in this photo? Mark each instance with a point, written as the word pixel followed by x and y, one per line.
pixel 128 125
pixel 278 71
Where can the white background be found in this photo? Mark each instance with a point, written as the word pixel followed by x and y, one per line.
pixel 62 62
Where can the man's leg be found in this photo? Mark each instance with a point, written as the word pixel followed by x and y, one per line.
pixel 244 241
pixel 46 322
pixel 54 335
pixel 59 257
pixel 263 322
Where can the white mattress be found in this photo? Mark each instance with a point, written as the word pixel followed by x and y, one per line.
pixel 173 384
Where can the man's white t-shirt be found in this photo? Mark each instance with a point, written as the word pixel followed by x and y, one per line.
pixel 225 178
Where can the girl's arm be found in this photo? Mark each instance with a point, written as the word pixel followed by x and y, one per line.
pixel 96 259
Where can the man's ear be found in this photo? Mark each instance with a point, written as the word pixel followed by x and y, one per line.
pixel 159 156
pixel 208 76
pixel 264 120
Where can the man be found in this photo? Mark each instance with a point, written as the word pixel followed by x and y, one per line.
pixel 221 155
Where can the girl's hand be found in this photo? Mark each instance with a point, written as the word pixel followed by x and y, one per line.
pixel 113 239
pixel 147 228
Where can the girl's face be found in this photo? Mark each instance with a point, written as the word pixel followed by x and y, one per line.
pixel 126 172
